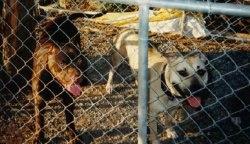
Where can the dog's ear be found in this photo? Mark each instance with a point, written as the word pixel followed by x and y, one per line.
pixel 203 58
pixel 172 56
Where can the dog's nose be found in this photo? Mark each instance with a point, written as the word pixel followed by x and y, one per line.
pixel 173 83
pixel 195 87
pixel 82 81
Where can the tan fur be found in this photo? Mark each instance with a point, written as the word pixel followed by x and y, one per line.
pixel 126 46
pixel 190 63
pixel 159 101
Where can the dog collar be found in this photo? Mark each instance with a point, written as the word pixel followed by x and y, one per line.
pixel 171 97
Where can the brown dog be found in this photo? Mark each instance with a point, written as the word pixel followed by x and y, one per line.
pixel 58 73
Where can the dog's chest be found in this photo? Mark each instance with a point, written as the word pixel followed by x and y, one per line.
pixel 158 100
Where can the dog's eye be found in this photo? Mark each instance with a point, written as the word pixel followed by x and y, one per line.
pixel 183 73
pixel 79 61
pixel 62 65
pixel 201 72
pixel 66 61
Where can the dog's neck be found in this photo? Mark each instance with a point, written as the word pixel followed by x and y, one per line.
pixel 171 97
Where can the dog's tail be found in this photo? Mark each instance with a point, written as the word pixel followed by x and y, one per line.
pixel 74 16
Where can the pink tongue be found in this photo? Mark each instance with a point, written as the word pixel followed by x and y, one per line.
pixel 75 89
pixel 195 102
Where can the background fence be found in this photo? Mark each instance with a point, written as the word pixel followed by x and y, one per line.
pixel 113 118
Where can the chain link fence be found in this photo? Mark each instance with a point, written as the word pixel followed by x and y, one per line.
pixel 100 117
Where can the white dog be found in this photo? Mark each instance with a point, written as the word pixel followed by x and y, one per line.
pixel 172 79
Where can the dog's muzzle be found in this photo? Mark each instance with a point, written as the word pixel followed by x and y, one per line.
pixel 191 94
pixel 74 88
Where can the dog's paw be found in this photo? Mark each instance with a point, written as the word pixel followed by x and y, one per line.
pixel 35 141
pixel 109 89
pixel 236 120
pixel 171 133
pixel 156 142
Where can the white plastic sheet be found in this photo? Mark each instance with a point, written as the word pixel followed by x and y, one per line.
pixel 162 21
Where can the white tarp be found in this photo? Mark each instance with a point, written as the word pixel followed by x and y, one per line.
pixel 162 21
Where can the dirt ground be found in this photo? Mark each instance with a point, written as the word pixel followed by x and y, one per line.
pixel 103 118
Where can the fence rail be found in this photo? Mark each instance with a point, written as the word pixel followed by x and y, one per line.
pixel 193 5
pixel 123 116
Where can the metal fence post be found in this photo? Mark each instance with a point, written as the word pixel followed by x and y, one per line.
pixel 143 73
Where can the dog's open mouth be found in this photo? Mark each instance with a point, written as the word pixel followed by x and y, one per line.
pixel 194 102
pixel 73 86
pixel 74 89
pixel 70 80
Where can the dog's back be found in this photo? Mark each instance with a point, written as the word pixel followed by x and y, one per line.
pixel 126 46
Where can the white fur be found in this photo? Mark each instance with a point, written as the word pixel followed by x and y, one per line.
pixel 126 45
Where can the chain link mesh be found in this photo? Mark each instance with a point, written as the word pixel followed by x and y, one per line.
pixel 112 118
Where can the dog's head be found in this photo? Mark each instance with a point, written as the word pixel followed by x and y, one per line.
pixel 186 76
pixel 67 65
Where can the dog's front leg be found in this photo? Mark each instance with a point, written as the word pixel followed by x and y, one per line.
pixel 39 119
pixel 135 74
pixel 153 130
pixel 170 132
pixel 109 86
pixel 69 114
